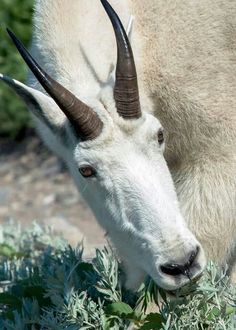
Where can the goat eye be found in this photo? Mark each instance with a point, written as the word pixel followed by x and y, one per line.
pixel 87 171
pixel 160 136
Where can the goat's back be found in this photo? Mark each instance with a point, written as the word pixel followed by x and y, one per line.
pixel 185 52
pixel 188 69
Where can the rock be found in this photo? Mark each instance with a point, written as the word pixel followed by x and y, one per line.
pixel 9 177
pixel 69 231
pixel 5 195
pixel 25 179
pixel 4 212
pixel 48 200
pixel 4 168
pixel 52 170
pixel 68 198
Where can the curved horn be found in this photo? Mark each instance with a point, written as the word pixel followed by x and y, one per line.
pixel 85 121
pixel 126 91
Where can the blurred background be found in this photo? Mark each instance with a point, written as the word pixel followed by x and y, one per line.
pixel 34 184
pixel 17 15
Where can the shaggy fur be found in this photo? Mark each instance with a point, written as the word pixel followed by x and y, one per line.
pixel 190 76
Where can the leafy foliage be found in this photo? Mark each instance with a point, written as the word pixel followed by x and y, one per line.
pixel 15 14
pixel 45 284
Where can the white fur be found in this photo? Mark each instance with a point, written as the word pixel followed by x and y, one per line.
pixel 185 53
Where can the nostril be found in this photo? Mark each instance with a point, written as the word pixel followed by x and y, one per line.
pixel 172 269
pixel 178 269
pixel 193 256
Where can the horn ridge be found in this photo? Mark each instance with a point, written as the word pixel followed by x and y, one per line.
pixel 126 92
pixel 84 120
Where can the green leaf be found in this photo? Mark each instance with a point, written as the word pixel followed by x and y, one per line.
pixel 10 300
pixel 119 309
pixel 230 310
pixel 37 292
pixel 214 313
pixel 34 291
pixel 9 315
pixel 153 322
pixel 85 267
pixel 6 250
pixel 17 290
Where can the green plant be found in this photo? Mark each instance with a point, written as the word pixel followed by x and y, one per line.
pixel 45 284
pixel 15 14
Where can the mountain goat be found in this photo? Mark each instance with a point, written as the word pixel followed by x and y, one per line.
pixel 106 126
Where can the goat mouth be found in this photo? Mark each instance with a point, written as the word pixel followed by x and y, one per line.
pixel 182 292
pixel 186 290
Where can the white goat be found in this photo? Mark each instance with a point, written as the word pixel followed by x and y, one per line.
pixel 113 146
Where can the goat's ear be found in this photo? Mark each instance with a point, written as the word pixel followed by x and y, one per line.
pixel 50 120
pixel 42 106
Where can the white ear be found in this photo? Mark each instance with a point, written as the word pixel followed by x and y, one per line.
pixel 50 120
pixel 129 29
pixel 42 106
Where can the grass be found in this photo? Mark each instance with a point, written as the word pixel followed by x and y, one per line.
pixel 45 284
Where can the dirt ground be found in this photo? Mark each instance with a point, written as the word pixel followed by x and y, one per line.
pixel 34 185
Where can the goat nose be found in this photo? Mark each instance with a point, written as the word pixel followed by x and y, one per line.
pixel 180 269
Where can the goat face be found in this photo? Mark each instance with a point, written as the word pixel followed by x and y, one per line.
pixel 124 178
pixel 115 154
